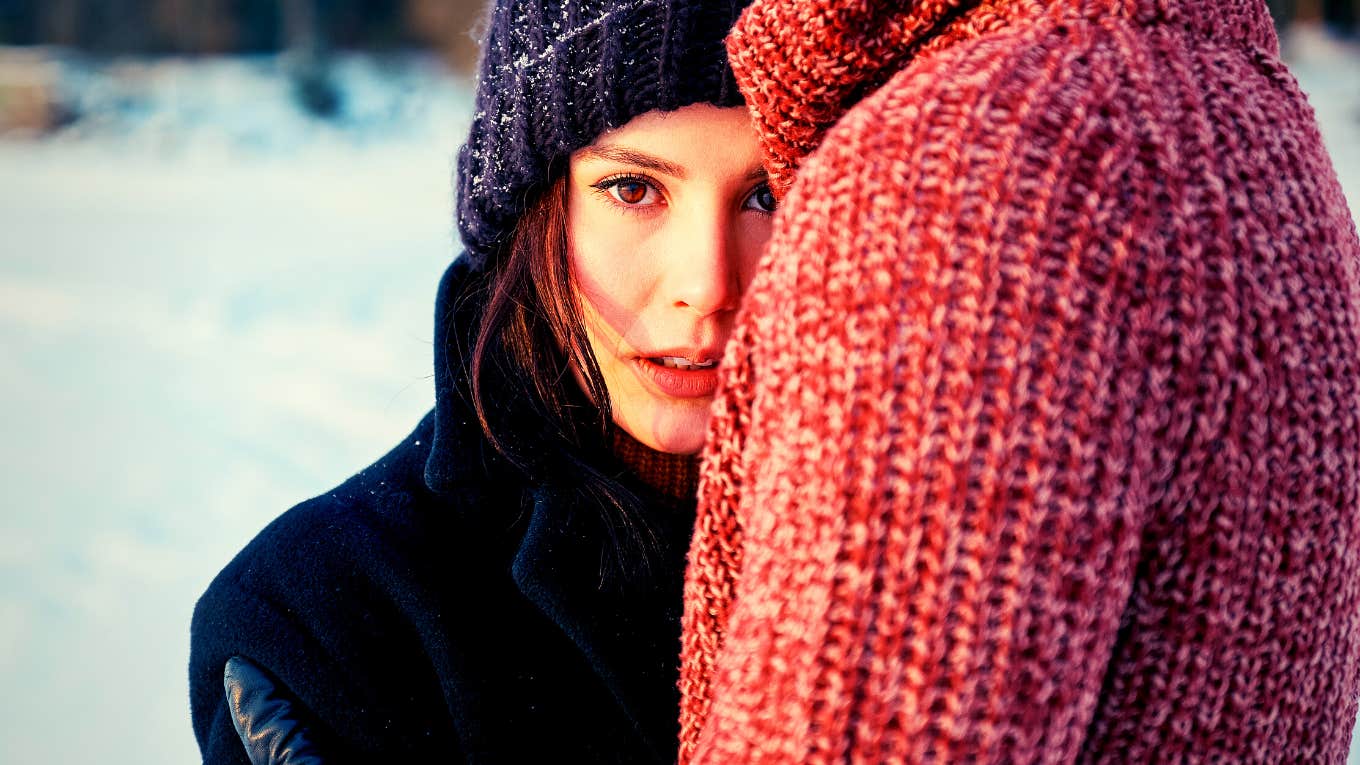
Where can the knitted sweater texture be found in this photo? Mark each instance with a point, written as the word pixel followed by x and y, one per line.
pixel 1039 434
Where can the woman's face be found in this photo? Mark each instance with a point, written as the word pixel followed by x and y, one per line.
pixel 666 218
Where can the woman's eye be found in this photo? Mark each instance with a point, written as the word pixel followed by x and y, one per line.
pixel 631 191
pixel 762 199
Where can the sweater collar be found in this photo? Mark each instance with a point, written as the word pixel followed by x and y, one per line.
pixel 675 476
pixel 824 56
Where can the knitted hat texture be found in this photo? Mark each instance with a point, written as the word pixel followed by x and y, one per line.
pixel 555 75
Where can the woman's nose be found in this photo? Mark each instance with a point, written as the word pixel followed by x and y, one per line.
pixel 703 266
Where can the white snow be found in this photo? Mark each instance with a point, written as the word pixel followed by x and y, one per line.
pixel 212 307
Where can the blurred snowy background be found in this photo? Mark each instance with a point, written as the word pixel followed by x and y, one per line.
pixel 217 276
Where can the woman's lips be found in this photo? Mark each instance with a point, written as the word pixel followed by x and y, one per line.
pixel 696 382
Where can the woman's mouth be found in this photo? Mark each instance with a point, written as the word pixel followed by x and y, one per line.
pixel 679 362
pixel 680 377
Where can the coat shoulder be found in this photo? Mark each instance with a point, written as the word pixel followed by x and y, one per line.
pixel 335 587
pixel 375 531
pixel 339 527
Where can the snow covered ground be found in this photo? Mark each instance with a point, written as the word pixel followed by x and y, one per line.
pixel 212 307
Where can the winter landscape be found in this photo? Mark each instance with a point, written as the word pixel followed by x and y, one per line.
pixel 213 306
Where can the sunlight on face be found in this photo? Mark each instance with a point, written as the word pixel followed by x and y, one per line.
pixel 667 217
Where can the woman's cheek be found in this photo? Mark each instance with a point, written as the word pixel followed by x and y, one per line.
pixel 611 271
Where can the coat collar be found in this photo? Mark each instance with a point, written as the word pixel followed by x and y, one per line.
pixel 459 454
pixel 627 627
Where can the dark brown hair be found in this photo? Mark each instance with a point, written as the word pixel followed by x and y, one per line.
pixel 531 311
pixel 531 321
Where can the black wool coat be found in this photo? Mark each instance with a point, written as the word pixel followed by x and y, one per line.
pixel 445 606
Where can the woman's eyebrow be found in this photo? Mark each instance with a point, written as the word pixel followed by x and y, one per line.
pixel 656 164
pixel 633 157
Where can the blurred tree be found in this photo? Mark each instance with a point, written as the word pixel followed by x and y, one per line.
pixel 216 26
pixel 1342 17
pixel 365 24
pixel 18 23
pixel 1282 11
pixel 134 26
pixel 190 26
pixel 309 58
pixel 259 25
pixel 452 28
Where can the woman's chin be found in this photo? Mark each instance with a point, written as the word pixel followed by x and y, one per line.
pixel 672 432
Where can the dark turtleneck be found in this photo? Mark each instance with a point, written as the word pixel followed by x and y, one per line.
pixel 673 475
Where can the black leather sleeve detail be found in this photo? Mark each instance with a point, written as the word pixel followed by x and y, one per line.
pixel 272 723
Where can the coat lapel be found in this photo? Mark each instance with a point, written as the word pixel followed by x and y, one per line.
pixel 626 627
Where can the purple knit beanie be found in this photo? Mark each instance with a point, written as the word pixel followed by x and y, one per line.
pixel 555 74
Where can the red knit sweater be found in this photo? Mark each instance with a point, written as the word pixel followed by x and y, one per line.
pixel 1039 435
